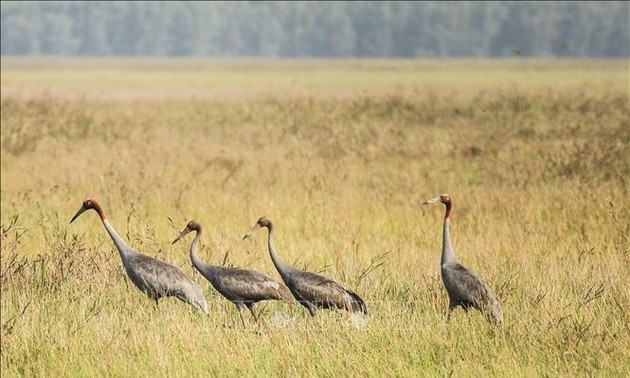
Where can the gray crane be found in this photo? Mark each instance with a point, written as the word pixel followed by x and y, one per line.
pixel 153 277
pixel 463 286
pixel 242 287
pixel 311 290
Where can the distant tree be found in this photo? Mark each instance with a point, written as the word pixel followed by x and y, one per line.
pixel 229 40
pixel 373 24
pixel 153 25
pixel 320 29
pixel 617 32
pixel 526 27
pixel 182 29
pixel 484 23
pixel 56 37
pixel 326 31
pixel 260 29
pixel 297 22
pixel 90 27
pixel 120 32
pixel 20 35
pixel 210 15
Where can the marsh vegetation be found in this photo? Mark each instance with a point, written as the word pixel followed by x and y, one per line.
pixel 339 154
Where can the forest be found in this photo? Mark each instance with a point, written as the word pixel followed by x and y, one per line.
pixel 317 29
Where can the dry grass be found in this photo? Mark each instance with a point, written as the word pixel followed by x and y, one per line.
pixel 339 155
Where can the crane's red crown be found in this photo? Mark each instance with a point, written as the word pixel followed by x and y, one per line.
pixel 89 203
pixel 445 198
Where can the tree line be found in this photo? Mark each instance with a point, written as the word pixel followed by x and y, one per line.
pixel 316 29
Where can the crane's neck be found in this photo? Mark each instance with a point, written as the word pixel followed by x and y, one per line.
pixel 448 253
pixel 207 270
pixel 98 209
pixel 280 265
pixel 194 257
pixel 123 248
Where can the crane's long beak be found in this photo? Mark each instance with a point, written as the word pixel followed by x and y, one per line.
pixel 251 231
pixel 181 235
pixel 432 201
pixel 81 210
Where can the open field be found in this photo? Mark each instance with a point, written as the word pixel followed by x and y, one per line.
pixel 339 154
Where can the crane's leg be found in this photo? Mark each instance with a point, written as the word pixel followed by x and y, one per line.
pixel 251 306
pixel 310 307
pixel 239 307
pixel 451 307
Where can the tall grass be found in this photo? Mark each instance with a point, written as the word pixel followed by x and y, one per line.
pixel 537 165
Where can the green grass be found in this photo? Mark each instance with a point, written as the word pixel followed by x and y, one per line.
pixel 339 154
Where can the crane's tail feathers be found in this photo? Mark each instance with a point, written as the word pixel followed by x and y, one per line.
pixel 358 305
pixel 203 307
pixel 492 311
pixel 495 313
pixel 195 299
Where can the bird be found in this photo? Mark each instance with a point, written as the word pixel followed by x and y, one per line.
pixel 243 287
pixel 463 286
pixel 153 277
pixel 309 289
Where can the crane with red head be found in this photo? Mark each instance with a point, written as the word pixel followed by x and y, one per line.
pixel 463 286
pixel 153 277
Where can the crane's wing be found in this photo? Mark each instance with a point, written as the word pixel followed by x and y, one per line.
pixel 158 278
pixel 324 292
pixel 464 286
pixel 245 284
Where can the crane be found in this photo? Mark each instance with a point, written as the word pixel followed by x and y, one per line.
pixel 153 277
pixel 463 286
pixel 242 287
pixel 311 290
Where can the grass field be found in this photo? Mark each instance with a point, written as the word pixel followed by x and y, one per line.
pixel 339 154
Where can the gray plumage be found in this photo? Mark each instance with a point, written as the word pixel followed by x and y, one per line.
pixel 243 287
pixel 311 290
pixel 153 277
pixel 463 286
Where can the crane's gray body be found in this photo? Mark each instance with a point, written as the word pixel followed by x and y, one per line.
pixel 466 289
pixel 153 277
pixel 157 278
pixel 243 287
pixel 312 290
pixel 463 286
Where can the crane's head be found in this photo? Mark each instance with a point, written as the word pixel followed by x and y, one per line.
pixel 191 226
pixel 444 198
pixel 262 222
pixel 88 204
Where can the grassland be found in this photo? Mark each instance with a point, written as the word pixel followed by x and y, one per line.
pixel 339 154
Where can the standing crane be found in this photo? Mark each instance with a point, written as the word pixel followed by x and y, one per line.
pixel 463 286
pixel 311 290
pixel 242 287
pixel 153 277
